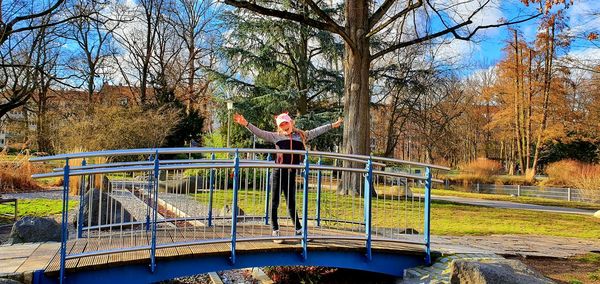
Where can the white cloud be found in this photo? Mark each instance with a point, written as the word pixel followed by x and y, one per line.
pixel 460 10
pixel 589 54
pixel 581 18
pixel 456 51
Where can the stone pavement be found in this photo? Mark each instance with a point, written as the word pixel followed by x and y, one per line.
pixel 19 261
pixel 520 245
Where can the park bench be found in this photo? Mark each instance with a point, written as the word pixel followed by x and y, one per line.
pixel 10 200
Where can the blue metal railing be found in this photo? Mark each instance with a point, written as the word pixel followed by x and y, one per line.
pixel 234 209
pixel 427 221
pixel 152 195
pixel 367 206
pixel 65 216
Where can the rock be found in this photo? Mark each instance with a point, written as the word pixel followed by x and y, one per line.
pixel 497 271
pixel 226 211
pixel 402 192
pixel 35 229
pixel 409 231
pixel 9 281
pixel 597 214
pixel 111 211
pixel 183 185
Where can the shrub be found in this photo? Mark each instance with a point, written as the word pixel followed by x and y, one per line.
pixel 482 167
pixel 585 177
pixel 513 180
pixel 588 182
pixel 561 173
pixel 117 128
pixel 481 170
pixel 15 176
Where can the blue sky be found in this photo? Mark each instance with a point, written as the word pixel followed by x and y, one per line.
pixel 487 49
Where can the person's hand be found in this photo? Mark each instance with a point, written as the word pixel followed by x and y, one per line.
pixel 337 123
pixel 238 118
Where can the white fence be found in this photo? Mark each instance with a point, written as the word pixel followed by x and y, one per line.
pixel 569 194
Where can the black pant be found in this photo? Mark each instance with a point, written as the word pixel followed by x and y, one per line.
pixel 284 180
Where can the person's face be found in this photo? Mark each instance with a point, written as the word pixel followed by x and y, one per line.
pixel 286 127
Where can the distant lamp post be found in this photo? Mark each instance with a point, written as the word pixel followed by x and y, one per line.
pixel 229 108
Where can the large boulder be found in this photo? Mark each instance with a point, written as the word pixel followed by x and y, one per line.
pixel 35 229
pixel 404 192
pixel 226 211
pixel 9 281
pixel 104 209
pixel 497 272
pixel 183 185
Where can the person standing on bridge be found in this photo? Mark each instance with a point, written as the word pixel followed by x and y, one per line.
pixel 287 137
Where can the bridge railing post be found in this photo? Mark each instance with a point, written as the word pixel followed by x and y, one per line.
pixel 210 191
pixel 427 217
pixel 234 214
pixel 64 229
pixel 268 190
pixel 305 208
pixel 155 212
pixel 319 177
pixel 368 207
pixel 148 195
pixel 82 187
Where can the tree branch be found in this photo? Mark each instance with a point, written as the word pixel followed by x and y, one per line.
pixel 381 12
pixel 36 15
pixel 453 30
pixel 419 40
pixel 334 28
pixel 468 37
pixel 315 8
pixel 29 28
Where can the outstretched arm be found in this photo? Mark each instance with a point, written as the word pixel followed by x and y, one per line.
pixel 314 133
pixel 265 135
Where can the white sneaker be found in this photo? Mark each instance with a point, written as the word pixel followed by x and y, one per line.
pixel 299 233
pixel 276 234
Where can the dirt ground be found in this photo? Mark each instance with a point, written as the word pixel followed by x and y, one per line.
pixel 4 232
pixel 571 270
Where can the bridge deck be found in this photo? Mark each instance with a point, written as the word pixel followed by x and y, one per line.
pixel 173 235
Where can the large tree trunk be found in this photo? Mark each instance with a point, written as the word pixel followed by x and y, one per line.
pixel 191 73
pixel 548 62
pixel 356 94
pixel 517 109
pixel 303 62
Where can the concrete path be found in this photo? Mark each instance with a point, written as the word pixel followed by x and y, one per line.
pixel 513 205
pixel 518 245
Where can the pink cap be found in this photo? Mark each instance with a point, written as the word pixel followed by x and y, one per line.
pixel 284 117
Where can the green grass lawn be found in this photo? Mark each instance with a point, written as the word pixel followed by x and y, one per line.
pixel 446 218
pixel 33 207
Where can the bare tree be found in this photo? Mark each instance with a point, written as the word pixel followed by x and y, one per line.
pixel 17 76
pixel 47 54
pixel 19 19
pixel 168 64
pixel 93 36
pixel 193 22
pixel 16 16
pixel 139 44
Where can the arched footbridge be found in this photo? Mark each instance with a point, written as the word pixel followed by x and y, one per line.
pixel 146 215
